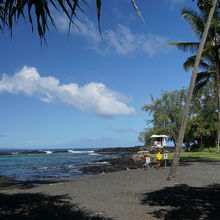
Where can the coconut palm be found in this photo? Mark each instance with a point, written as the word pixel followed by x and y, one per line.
pixel 204 34
pixel 210 60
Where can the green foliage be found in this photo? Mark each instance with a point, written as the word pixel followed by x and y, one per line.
pixel 204 4
pixel 166 115
pixel 166 112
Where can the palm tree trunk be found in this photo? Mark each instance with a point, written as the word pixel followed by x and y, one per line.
pixel 173 170
pixel 218 91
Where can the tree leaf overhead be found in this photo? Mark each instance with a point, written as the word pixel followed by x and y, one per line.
pixel 186 46
pixel 137 9
pixel 195 21
pixel 98 7
pixel 39 12
pixel 189 63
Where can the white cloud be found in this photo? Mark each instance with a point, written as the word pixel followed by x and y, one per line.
pixel 122 40
pixel 93 97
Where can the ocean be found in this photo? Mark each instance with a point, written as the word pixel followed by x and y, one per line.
pixel 49 164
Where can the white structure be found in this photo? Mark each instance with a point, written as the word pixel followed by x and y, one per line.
pixel 159 141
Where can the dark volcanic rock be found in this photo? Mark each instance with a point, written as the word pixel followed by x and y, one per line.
pixel 5 154
pixel 116 164
pixel 60 151
pixel 32 152
pixel 120 149
pixel 7 181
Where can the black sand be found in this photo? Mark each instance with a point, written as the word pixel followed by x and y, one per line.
pixel 131 194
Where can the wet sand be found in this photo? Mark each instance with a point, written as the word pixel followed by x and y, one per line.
pixel 127 195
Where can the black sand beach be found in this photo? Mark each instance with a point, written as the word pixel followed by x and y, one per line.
pixel 131 194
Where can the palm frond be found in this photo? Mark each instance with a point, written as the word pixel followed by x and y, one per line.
pixel 186 46
pixel 39 12
pixel 98 7
pixel 203 79
pixel 189 64
pixel 195 21
pixel 201 76
pixel 200 86
pixel 2 16
pixel 137 9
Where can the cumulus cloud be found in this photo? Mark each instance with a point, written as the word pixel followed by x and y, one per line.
pixel 93 97
pixel 122 40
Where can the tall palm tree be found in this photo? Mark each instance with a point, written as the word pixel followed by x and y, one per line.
pixel 173 170
pixel 210 60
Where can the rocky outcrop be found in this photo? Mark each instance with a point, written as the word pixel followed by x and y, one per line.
pixel 120 149
pixel 5 154
pixel 115 164
pixel 32 152
pixel 60 151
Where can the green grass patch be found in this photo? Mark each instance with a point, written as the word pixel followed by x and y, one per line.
pixel 184 156
pixel 197 155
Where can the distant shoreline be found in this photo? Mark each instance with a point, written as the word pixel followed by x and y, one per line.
pixel 7 152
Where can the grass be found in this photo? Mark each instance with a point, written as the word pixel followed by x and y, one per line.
pixel 197 155
pixel 184 156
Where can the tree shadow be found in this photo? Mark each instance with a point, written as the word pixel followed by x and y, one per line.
pixel 188 161
pixel 6 182
pixel 185 203
pixel 34 206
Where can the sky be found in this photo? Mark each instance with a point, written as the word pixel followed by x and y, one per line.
pixel 81 91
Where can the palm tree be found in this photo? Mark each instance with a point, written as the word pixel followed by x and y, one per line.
pixel 210 57
pixel 204 34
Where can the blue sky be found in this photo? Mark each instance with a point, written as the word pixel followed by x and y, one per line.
pixel 81 91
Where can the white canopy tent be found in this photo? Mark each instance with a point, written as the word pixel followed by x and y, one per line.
pixel 159 141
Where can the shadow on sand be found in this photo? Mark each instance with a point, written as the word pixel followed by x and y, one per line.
pixel 8 182
pixel 185 203
pixel 27 206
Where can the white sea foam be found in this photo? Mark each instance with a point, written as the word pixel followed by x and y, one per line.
pixel 80 152
pixel 70 166
pixel 104 162
pixel 48 152
pixel 42 168
pixel 93 154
